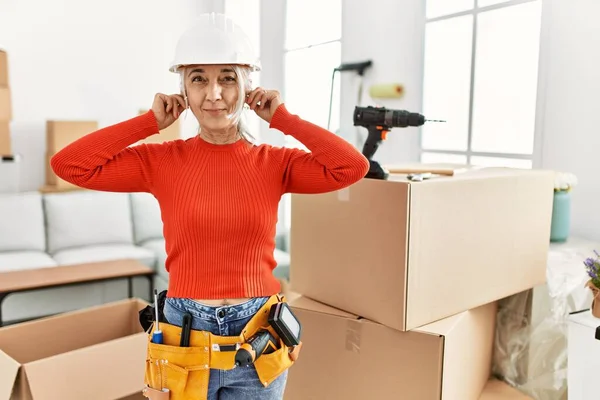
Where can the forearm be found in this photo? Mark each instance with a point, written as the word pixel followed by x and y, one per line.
pixel 334 161
pixel 103 159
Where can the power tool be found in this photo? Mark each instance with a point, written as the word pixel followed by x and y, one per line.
pixel 378 121
pixel 261 343
pixel 283 323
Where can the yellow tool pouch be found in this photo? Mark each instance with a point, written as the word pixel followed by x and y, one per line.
pixel 184 371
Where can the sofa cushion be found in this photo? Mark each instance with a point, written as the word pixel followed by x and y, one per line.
pixel 157 246
pixel 19 260
pixel 22 222
pixel 87 218
pixel 146 215
pixel 90 254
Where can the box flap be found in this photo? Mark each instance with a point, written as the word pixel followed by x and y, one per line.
pixel 9 369
pixel 465 376
pixel 108 370
pixel 93 325
pixel 466 373
pixel 442 327
pixel 498 390
pixel 304 303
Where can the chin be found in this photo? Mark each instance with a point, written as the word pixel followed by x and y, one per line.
pixel 216 124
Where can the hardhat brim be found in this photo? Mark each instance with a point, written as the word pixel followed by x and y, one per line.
pixel 254 67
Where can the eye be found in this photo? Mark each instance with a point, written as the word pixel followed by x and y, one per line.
pixel 228 80
pixel 198 79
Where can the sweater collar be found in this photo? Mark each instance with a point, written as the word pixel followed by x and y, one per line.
pixel 239 145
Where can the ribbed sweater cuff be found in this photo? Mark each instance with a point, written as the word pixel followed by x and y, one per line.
pixel 283 120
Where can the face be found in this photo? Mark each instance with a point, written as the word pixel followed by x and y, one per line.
pixel 212 92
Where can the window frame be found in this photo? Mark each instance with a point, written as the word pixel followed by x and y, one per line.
pixel 290 141
pixel 285 215
pixel 469 152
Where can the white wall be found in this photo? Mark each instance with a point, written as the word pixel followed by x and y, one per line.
pixel 569 118
pixel 391 33
pixel 71 59
pixel 272 39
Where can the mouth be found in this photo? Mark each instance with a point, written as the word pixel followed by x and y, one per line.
pixel 214 111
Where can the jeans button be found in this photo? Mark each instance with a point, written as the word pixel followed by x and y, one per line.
pixel 221 313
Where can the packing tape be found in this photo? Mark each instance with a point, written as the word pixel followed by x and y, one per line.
pixel 386 90
pixel 353 335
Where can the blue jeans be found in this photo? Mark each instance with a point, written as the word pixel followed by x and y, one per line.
pixel 238 383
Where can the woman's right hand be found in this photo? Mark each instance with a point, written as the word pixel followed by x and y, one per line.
pixel 167 109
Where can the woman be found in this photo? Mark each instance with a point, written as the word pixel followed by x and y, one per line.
pixel 218 192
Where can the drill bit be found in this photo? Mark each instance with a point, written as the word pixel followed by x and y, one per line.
pixel 435 120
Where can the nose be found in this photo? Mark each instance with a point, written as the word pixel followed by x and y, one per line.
pixel 213 92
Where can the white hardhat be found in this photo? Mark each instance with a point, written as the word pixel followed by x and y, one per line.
pixel 214 39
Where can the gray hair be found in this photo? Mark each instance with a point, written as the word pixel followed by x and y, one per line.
pixel 244 82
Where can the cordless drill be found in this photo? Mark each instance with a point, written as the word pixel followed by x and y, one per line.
pixel 378 121
pixel 262 342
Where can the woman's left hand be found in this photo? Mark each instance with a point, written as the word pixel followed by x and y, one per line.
pixel 269 101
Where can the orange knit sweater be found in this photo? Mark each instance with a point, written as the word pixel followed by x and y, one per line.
pixel 219 203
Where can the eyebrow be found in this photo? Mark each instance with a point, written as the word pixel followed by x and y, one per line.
pixel 200 70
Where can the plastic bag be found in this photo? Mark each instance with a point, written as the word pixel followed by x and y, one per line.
pixel 530 351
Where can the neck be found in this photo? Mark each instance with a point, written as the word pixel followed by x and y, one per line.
pixel 220 137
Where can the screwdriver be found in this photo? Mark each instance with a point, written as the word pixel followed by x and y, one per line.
pixel 157 336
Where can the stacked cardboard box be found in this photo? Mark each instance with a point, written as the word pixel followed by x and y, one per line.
pixel 399 280
pixel 58 135
pixel 5 106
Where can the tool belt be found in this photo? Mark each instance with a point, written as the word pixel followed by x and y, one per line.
pixel 182 373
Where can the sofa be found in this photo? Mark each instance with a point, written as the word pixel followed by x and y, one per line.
pixel 44 230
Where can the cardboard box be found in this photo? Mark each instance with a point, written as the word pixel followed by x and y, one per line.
pixel 3 69
pixel 51 178
pixel 406 254
pixel 346 357
pixel 5 139
pixel 498 390
pixel 94 353
pixel 61 133
pixel 5 104
pixel 173 132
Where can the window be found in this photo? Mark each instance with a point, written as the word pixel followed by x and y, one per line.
pixel 310 55
pixel 481 66
pixel 246 13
